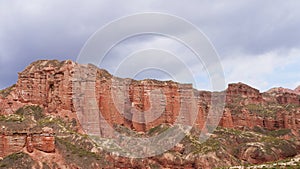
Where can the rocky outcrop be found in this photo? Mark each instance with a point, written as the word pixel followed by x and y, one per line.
pixel 11 144
pixel 16 141
pixel 147 104
pixel 241 92
pixel 140 105
pixel 47 83
pixel 257 153
pixel 53 85
pixel 227 120
pixel 285 96
pixel 98 101
pixel 274 109
pixel 9 102
pixel 297 90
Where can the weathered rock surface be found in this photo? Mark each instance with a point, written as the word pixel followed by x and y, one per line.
pixel 9 102
pixel 297 90
pixel 285 96
pixel 12 142
pixel 242 91
pixel 140 105
pixel 47 83
pixel 98 101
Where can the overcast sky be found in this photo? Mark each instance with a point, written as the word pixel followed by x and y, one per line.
pixel 258 42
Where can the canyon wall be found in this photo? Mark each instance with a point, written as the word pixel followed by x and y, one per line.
pixel 65 88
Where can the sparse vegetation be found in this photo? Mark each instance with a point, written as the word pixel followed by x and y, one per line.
pixel 48 121
pixel 5 92
pixel 262 110
pixel 12 118
pixel 16 160
pixel 79 155
pixel 290 163
pixel 81 152
pixel 273 133
pixel 23 114
pixel 225 144
pixel 32 110
pixel 158 129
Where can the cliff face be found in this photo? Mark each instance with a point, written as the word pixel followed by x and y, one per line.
pixel 73 93
pixel 243 91
pixel 14 141
pixel 47 83
pixel 52 84
pixel 297 90
pixel 285 96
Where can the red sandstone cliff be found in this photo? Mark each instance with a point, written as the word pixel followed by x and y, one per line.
pixel 62 88
pixel 15 141
pixel 297 90
pixel 52 84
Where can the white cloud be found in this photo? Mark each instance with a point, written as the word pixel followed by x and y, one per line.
pixel 263 70
pixel 191 65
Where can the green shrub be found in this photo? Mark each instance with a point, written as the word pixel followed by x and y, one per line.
pixel 32 110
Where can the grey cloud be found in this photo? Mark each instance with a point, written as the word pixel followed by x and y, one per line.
pixel 31 30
